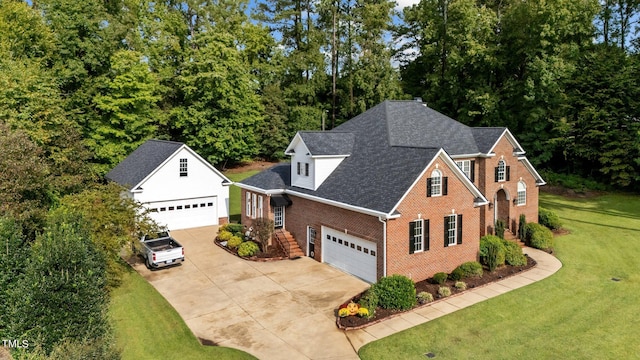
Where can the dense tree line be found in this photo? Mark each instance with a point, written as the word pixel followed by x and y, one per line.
pixel 235 79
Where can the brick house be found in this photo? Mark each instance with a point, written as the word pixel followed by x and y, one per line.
pixel 399 189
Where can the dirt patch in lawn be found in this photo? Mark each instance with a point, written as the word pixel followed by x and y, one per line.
pixel 355 322
pixel 247 166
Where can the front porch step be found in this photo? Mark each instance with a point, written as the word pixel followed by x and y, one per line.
pixel 289 243
pixel 508 235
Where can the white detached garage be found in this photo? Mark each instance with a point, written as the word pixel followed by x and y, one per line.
pixel 179 187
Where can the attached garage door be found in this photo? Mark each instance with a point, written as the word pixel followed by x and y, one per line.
pixel 186 213
pixel 349 253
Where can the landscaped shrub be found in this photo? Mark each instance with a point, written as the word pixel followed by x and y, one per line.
pixel 444 291
pixel 513 254
pixel 234 242
pixel 395 292
pixel 492 251
pixel 456 274
pixel 522 223
pixel 248 248
pixel 424 297
pixel 369 300
pixel 440 278
pixel 460 285
pixel 235 229
pixel 500 226
pixel 549 219
pixel 469 269
pixel 224 235
pixel 539 237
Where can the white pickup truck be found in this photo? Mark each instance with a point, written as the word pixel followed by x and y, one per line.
pixel 161 250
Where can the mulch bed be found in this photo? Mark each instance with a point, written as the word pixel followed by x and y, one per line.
pixel 275 252
pixel 355 322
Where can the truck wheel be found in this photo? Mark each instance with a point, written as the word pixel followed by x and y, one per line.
pixel 148 264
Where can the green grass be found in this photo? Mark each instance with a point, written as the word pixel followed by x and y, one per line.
pixel 147 326
pixel 234 194
pixel 578 313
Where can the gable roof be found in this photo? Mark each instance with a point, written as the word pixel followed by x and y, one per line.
pixel 388 152
pixel 322 143
pixel 146 159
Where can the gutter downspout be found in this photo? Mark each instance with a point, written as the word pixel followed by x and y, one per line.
pixel 384 245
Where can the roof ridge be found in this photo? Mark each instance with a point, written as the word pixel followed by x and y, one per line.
pixel 167 141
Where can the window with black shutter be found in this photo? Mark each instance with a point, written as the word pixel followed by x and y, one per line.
pixel 459 234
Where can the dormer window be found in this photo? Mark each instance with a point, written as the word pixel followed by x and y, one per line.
pixel 303 169
pixel 183 167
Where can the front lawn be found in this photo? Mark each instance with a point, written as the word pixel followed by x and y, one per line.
pixel 147 326
pixel 581 312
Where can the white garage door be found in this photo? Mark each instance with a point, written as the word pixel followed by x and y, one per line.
pixel 349 253
pixel 186 213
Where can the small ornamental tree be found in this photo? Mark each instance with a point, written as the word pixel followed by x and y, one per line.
pixel 263 229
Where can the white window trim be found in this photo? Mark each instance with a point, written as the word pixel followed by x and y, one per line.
pixel 418 236
pixel 465 163
pixel 260 206
pixel 247 208
pixel 522 193
pixel 254 204
pixel 436 189
pixel 452 233
pixel 502 171
pixel 183 167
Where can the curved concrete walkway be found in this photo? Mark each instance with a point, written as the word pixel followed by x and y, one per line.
pixel 547 265
pixel 285 309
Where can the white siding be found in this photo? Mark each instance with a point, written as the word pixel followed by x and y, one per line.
pixel 323 168
pixel 300 156
pixel 166 186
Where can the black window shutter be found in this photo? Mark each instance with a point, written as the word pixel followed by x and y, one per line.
pixel 459 229
pixel 299 168
pixel 445 185
pixel 446 231
pixel 508 175
pixel 473 170
pixel 429 187
pixel 496 174
pixel 425 233
pixel 412 233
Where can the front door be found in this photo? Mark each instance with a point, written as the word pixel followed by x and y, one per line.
pixel 278 217
pixel 502 207
pixel 311 242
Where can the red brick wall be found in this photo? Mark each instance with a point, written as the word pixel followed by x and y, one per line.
pixel 422 265
pixel 303 213
pixel 488 186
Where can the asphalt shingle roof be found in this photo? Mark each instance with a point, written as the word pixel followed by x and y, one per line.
pixel 140 163
pixel 328 142
pixel 393 143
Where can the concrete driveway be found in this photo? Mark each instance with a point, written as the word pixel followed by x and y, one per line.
pixel 272 310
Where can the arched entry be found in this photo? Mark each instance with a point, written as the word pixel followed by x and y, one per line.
pixel 501 208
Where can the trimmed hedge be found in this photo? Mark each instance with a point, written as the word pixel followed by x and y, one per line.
pixel 513 254
pixel 538 236
pixel 439 278
pixel 224 235
pixel 469 269
pixel 549 219
pixel 395 292
pixel 492 251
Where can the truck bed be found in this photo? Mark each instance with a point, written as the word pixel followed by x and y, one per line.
pixel 161 244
